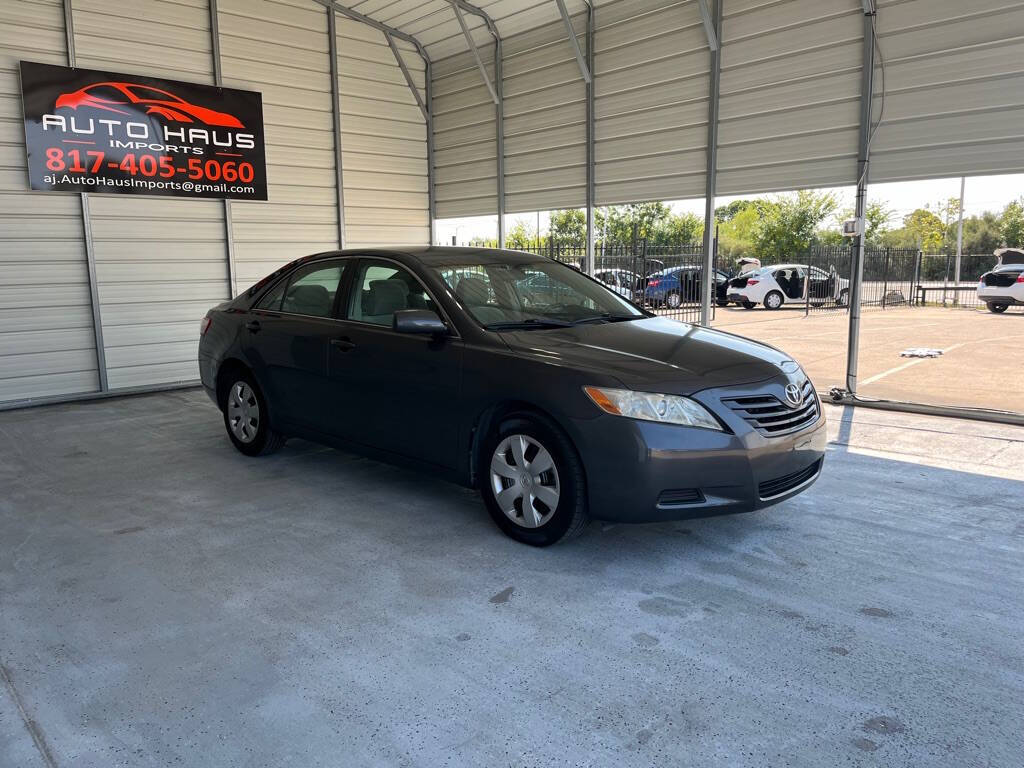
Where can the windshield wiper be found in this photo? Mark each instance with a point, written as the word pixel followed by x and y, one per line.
pixel 607 317
pixel 533 322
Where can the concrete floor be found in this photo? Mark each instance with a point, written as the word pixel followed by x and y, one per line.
pixel 167 601
pixel 980 365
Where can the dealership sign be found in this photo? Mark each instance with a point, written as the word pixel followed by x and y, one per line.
pixel 90 131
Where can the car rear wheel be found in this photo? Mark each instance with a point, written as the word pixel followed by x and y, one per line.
pixel 673 300
pixel 844 298
pixel 532 482
pixel 748 304
pixel 994 306
pixel 773 300
pixel 246 417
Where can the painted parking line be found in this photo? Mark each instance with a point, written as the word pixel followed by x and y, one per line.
pixel 906 365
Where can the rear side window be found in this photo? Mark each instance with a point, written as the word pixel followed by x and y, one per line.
pixel 312 289
pixel 271 301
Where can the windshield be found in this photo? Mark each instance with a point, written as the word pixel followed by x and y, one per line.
pixel 541 294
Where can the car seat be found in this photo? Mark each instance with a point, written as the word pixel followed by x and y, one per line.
pixel 308 300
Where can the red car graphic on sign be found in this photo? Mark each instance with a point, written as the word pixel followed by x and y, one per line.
pixel 114 97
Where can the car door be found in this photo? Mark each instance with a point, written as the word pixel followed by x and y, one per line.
pixel 396 392
pixel 286 340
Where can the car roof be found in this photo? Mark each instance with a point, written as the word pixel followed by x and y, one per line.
pixel 433 255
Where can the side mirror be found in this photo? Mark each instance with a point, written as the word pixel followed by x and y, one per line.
pixel 418 321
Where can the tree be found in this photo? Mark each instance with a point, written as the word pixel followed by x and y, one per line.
pixel 1011 224
pixel 520 236
pixel 787 228
pixel 982 234
pixel 569 227
pixel 730 211
pixel 925 230
pixel 643 218
pixel 877 218
pixel 679 228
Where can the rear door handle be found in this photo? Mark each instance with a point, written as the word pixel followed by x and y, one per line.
pixel 344 344
pixel 253 325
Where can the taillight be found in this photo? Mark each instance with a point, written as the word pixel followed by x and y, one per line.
pixel 204 325
pixel 653 283
pixel 753 282
pixel 1020 277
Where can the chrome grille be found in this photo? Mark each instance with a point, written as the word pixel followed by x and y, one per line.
pixel 770 416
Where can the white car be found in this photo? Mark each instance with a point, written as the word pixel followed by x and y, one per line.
pixel 623 281
pixel 1003 287
pixel 778 284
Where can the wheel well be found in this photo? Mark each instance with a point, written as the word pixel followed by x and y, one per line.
pixel 227 369
pixel 494 415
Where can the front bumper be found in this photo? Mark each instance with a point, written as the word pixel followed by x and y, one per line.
pixel 641 471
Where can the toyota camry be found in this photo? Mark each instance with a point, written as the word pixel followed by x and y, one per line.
pixel 514 374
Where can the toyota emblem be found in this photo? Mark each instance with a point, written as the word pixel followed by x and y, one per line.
pixel 793 394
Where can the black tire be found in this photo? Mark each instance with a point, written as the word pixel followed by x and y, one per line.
pixel 748 304
pixel 722 302
pixel 570 514
pixel 997 308
pixel 266 440
pixel 844 298
pixel 768 300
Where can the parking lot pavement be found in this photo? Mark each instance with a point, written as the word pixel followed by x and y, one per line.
pixel 167 601
pixel 980 365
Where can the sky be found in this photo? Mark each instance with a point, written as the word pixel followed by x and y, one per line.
pixel 981 193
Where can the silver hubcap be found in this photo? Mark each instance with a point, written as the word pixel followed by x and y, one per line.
pixel 524 481
pixel 243 412
pixel 673 300
pixel 774 301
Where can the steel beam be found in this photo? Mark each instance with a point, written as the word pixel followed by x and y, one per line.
pixel 571 33
pixel 90 250
pixel 711 173
pixel 591 261
pixel 408 77
pixel 863 167
pixel 339 171
pixel 476 53
pixel 218 79
pixel 431 191
pixel 712 29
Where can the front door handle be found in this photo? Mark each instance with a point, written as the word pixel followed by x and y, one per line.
pixel 343 344
pixel 253 325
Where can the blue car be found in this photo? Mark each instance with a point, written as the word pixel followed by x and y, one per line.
pixel 673 286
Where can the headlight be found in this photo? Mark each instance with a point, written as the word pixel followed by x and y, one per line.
pixel 651 406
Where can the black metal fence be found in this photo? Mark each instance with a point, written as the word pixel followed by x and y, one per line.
pixel 667 279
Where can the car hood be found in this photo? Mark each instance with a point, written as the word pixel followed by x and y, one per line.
pixel 654 354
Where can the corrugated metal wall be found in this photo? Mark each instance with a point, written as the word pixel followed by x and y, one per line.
pixel 651 101
pixel 954 81
pixel 281 48
pixel 46 338
pixel 545 119
pixel 160 262
pixel 465 142
pixel 790 94
pixel 384 139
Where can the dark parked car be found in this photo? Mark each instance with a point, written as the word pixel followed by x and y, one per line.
pixel 675 286
pixel 516 375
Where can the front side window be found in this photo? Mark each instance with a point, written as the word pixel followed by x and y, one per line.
pixel 383 288
pixel 539 294
pixel 312 289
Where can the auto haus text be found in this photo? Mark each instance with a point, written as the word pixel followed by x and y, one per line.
pixel 141 135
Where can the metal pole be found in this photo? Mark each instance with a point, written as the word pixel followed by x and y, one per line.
pixel 499 119
pixel 90 250
pixel 428 75
pixel 863 166
pixel 712 168
pixel 591 261
pixel 339 176
pixel 218 79
pixel 959 243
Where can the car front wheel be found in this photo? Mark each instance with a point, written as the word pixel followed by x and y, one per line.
pixel 532 482
pixel 994 306
pixel 246 417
